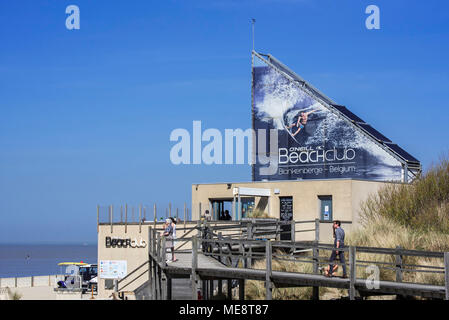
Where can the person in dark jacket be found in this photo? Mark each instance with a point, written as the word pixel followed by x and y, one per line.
pixel 339 243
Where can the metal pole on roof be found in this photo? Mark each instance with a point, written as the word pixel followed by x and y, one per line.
pixel 253 21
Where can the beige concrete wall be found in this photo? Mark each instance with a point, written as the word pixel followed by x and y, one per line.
pixel 360 193
pixel 35 281
pixel 134 256
pixel 347 196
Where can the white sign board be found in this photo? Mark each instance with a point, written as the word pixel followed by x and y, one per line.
pixel 112 269
pixel 252 192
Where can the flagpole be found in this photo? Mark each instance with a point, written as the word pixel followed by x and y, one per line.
pixel 253 21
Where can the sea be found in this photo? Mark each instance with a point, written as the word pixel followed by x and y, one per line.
pixel 24 260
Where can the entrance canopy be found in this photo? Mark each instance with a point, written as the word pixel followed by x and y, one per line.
pixel 255 192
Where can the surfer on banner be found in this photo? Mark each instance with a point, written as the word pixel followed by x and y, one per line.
pixel 302 121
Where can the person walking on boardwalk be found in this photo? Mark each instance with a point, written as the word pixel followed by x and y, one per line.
pixel 339 243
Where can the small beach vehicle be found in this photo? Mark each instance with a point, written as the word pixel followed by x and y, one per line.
pixel 89 276
pixel 78 276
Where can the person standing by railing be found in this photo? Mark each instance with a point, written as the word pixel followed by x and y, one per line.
pixel 339 243
pixel 173 224
pixel 168 234
pixel 207 216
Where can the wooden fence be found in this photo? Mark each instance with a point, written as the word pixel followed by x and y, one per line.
pixel 236 253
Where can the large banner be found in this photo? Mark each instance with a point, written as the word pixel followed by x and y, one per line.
pixel 313 142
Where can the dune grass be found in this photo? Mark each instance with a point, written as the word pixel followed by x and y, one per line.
pixel 257 213
pixel 413 216
pixel 422 205
pixel 255 290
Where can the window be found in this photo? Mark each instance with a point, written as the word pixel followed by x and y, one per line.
pixel 325 208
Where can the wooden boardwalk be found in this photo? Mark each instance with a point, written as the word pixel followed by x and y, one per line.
pixel 183 267
pixel 210 269
pixel 214 259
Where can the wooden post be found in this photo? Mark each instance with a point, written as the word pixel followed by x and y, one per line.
pixel 233 209
pixel 446 273
pixel 157 278
pixel 293 231
pixel 150 261
pixel 316 257
pixel 199 233
pixel 155 215
pixel 126 217
pixel 169 288
pixel 121 213
pixel 278 231
pixel 160 288
pixel 169 210
pixel 242 256
pixel 164 253
pixel 211 289
pixel 239 209
pixel 352 261
pixel 164 286
pixel 158 247
pixel 199 205
pixel 154 237
pixel 185 216
pixel 398 268
pixel 268 285
pixel 204 289
pixel 250 251
pixel 140 218
pixel 249 230
pixel 398 265
pixel 194 267
pixel 110 216
pixel 241 289
pixel 220 287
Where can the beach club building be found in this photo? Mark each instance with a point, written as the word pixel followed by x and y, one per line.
pixel 315 160
pixel 325 163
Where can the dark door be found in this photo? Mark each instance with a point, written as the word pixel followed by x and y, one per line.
pixel 286 214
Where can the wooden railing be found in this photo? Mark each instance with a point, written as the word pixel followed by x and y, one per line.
pixel 238 252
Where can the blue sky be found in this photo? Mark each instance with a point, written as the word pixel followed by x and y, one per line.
pixel 86 115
